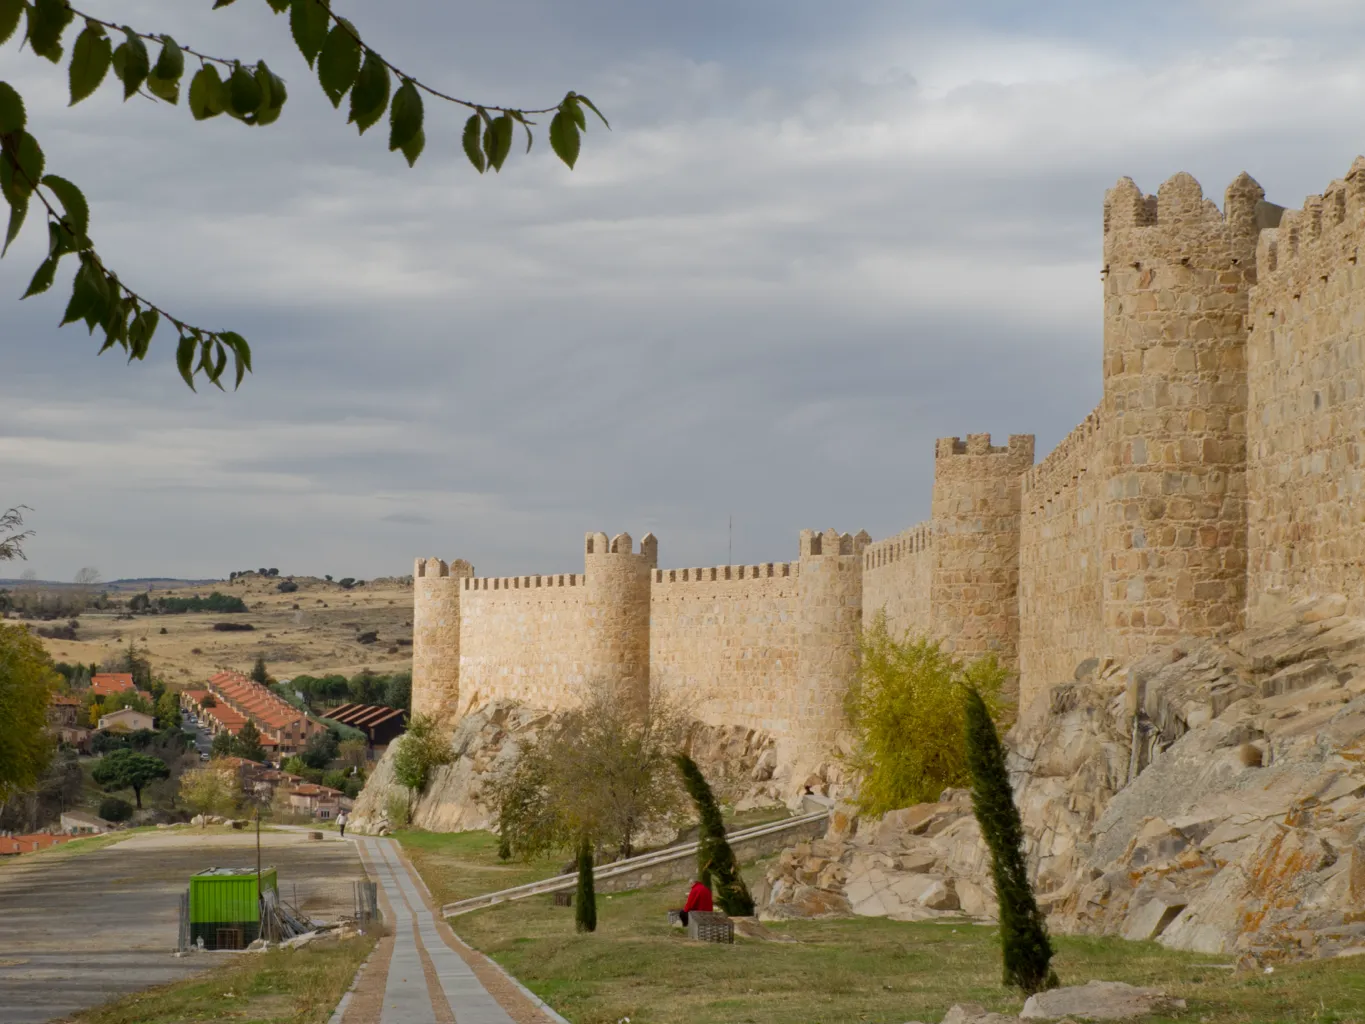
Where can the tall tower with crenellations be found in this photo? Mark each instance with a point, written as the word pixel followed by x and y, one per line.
pixel 436 635
pixel 616 612
pixel 974 589
pixel 1177 277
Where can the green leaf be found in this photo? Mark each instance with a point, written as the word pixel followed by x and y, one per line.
pixel 244 92
pixel 88 293
pixel 42 280
pixel 207 97
pixel 273 95
pixel 239 346
pixel 17 212
pixel 471 141
pixel 278 6
pixel 521 120
pixel 146 326
pixel 412 149
pixel 570 106
pixel 10 13
pixel 593 107
pixel 21 166
pixel 339 61
pixel 564 138
pixel 89 62
pixel 184 357
pixel 309 21
pixel 222 3
pixel 101 296
pixel 131 63
pixel 167 89
pixel 170 63
pixel 405 116
pixel 12 116
pixel 370 95
pixel 73 202
pixel 501 131
pixel 47 20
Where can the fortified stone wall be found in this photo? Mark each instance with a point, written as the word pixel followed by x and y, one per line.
pixel 723 642
pixel 1060 591
pixel 1307 378
pixel 1222 466
pixel 897 573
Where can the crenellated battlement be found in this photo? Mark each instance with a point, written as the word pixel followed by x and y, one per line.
pixel 722 573
pixel 1179 225
pixel 1064 465
pixel 832 542
pixel 914 541
pixel 523 582
pixel 1319 239
pixel 1020 446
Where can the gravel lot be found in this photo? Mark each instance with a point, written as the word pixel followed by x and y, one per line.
pixel 78 930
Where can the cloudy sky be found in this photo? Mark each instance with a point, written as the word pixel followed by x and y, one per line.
pixel 819 236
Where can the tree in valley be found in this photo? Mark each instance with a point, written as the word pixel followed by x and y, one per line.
pixel 321 749
pixel 259 673
pixel 27 683
pixel 420 751
pixel 223 745
pixel 127 769
pixel 603 770
pixel 1024 940
pixel 907 710
pixel 716 863
pixel 251 93
pixel 353 755
pixel 247 743
pixel 210 790
pixel 168 711
pixel 585 904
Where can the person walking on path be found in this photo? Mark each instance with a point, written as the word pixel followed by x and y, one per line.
pixel 341 823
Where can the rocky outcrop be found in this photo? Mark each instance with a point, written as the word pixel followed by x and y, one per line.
pixel 1210 796
pixel 740 763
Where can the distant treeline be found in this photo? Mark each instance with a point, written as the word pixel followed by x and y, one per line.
pixel 364 687
pixel 215 602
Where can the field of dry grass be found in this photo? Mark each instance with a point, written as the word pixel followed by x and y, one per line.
pixel 312 630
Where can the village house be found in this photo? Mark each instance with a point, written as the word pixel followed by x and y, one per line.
pixel 284 728
pixel 126 720
pixel 64 722
pixel 84 823
pixel 321 802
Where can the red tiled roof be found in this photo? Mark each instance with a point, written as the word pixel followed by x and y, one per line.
pixel 31 843
pixel 111 682
pixel 70 702
pixel 195 695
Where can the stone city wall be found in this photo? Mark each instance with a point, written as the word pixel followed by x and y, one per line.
pixel 522 638
pixel 897 573
pixel 1222 465
pixel 1307 379
pixel 723 642
pixel 1060 617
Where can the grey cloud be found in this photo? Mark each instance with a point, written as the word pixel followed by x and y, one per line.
pixel 803 254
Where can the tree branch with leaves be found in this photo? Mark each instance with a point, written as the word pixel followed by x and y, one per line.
pixel 249 92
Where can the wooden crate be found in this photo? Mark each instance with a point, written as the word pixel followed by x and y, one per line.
pixel 707 926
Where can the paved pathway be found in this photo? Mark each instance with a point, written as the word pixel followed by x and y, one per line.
pixel 426 981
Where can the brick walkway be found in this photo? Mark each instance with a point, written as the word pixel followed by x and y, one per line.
pixel 421 973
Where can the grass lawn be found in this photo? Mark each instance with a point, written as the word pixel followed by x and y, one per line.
pixel 294 986
pixel 458 865
pixel 856 970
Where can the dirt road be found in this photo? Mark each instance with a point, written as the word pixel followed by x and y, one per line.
pixel 78 930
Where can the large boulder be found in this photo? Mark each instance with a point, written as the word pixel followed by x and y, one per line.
pixel 1099 1000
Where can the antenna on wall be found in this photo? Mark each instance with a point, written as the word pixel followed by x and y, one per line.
pixel 730 558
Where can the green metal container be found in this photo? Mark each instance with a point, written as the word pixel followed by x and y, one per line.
pixel 225 906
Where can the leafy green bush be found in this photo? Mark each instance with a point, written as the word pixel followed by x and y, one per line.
pixel 907 710
pixel 423 748
pixel 398 811
pixel 287 587
pixel 114 809
pixel 215 602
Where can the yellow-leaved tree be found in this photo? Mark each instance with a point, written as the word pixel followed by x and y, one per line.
pixel 907 710
pixel 27 683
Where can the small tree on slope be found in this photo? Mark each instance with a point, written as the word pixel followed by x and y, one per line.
pixel 1023 932
pixel 716 864
pixel 585 903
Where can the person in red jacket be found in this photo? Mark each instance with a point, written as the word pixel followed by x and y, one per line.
pixel 698 898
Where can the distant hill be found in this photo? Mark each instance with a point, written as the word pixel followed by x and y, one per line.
pixel 140 583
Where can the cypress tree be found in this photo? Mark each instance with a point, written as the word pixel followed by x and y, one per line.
pixel 585 903
pixel 716 864
pixel 1023 932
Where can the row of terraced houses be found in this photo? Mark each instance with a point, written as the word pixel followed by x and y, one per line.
pixel 285 730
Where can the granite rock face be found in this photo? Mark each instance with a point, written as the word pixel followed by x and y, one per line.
pixel 1210 796
pixel 740 763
